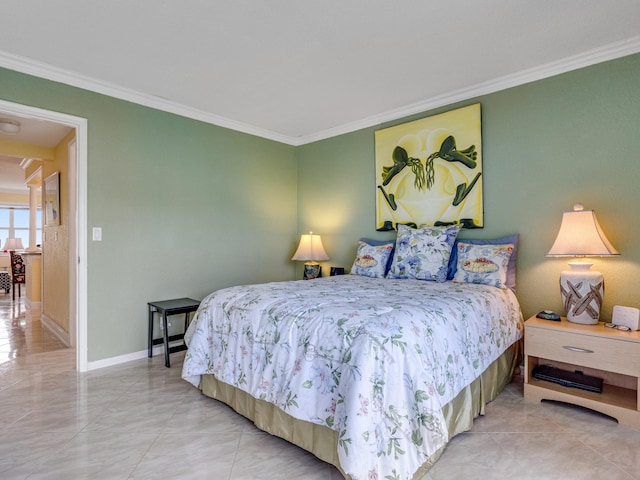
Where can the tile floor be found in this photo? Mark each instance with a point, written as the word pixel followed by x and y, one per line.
pixel 140 420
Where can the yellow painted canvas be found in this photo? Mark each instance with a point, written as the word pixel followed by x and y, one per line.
pixel 429 171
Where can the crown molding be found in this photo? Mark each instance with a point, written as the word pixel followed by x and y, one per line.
pixel 49 72
pixel 591 57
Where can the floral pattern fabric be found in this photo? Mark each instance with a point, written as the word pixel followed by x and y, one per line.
pixel 372 260
pixel 17 268
pixel 486 264
pixel 423 253
pixel 373 359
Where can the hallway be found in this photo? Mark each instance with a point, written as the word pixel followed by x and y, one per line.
pixel 20 334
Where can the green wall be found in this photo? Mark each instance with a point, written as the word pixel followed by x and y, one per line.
pixel 185 208
pixel 546 145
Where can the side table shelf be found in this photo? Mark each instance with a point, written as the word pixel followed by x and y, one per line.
pixel 594 350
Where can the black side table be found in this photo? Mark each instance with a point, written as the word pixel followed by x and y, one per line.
pixel 167 308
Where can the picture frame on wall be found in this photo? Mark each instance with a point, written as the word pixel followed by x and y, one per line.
pixel 429 171
pixel 52 200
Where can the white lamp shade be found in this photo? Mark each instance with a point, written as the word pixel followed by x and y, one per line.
pixel 13 244
pixel 310 249
pixel 581 289
pixel 580 235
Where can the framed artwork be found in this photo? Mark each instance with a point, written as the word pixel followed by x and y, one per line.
pixel 429 171
pixel 52 200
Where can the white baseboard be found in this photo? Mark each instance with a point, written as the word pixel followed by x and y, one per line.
pixel 55 329
pixel 112 361
pixel 35 308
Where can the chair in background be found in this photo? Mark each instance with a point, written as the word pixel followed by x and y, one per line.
pixel 5 281
pixel 17 272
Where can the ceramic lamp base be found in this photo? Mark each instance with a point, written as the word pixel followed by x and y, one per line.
pixel 312 270
pixel 582 293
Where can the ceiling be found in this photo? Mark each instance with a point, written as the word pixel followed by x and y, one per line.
pixel 32 131
pixel 12 175
pixel 297 71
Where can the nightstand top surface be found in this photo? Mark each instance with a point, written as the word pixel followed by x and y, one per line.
pixel 596 330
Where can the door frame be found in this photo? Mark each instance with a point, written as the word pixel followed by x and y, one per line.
pixel 78 311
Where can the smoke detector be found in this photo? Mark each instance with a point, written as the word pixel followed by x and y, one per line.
pixel 10 127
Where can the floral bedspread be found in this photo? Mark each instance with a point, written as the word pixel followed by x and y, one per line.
pixel 374 359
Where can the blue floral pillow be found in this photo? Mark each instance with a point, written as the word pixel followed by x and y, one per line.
pixel 485 264
pixel 423 253
pixel 372 260
pixel 511 268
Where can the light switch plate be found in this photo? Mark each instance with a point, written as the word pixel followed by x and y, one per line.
pixel 97 234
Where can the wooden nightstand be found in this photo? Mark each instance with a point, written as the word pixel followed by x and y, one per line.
pixel 602 352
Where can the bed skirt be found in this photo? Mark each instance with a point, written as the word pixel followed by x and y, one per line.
pixel 322 441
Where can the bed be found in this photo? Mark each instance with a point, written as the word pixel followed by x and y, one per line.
pixel 371 373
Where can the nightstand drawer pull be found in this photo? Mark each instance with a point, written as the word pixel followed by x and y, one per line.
pixel 577 349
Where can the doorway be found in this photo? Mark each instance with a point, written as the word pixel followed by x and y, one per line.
pixel 77 250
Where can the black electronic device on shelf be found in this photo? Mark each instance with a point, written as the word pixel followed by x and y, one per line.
pixel 567 379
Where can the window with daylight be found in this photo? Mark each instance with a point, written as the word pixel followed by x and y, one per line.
pixel 14 223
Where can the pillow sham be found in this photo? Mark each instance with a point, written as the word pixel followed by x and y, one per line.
pixel 423 253
pixel 372 260
pixel 484 264
pixel 511 267
pixel 375 243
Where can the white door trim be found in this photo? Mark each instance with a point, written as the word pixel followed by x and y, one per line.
pixel 80 254
pixel 73 236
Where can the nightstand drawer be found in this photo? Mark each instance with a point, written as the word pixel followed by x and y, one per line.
pixel 602 352
pixel 593 351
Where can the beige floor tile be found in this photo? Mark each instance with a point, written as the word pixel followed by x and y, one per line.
pixel 140 420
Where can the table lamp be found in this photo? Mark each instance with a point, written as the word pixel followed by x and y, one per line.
pixel 12 244
pixel 581 288
pixel 310 250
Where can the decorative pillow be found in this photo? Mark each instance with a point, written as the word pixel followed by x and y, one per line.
pixel 372 260
pixel 485 264
pixel 511 267
pixel 375 243
pixel 423 253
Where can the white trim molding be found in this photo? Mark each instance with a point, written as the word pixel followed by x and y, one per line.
pixel 591 57
pixel 158 351
pixel 81 126
pixel 35 308
pixel 49 72
pixel 55 329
